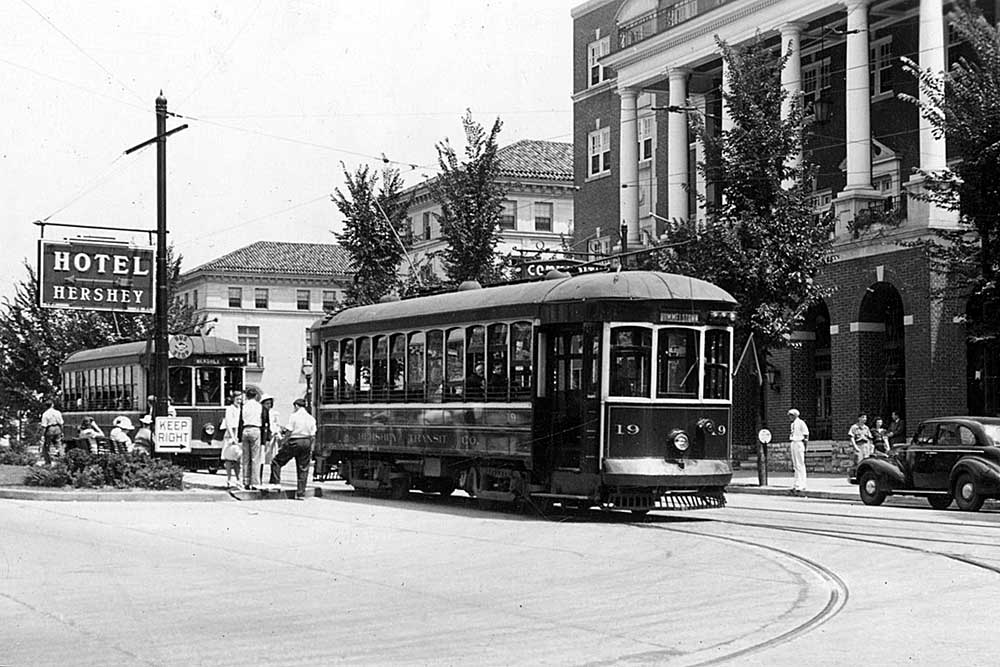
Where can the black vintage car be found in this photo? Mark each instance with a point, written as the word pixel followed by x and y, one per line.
pixel 949 458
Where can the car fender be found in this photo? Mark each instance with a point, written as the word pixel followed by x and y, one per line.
pixel 985 472
pixel 884 469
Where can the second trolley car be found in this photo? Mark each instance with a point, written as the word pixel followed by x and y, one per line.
pixel 114 380
pixel 602 389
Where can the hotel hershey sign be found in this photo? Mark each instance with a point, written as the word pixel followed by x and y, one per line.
pixel 90 275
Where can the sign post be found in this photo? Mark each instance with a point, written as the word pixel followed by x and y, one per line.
pixel 763 439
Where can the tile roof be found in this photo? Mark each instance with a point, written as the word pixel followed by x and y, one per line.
pixel 532 158
pixel 279 257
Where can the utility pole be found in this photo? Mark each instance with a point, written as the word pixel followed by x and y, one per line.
pixel 161 322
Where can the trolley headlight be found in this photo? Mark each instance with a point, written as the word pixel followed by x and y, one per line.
pixel 208 429
pixel 680 440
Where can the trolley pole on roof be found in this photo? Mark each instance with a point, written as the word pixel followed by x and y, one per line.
pixel 160 328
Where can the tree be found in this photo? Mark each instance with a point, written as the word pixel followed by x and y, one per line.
pixel 373 241
pixel 761 242
pixel 963 106
pixel 35 341
pixel 471 200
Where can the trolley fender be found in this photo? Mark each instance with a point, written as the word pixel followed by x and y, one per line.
pixel 985 472
pixel 885 469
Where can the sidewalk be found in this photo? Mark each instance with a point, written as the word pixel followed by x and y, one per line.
pixel 818 485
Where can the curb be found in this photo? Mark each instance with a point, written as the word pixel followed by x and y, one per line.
pixel 784 491
pixel 77 495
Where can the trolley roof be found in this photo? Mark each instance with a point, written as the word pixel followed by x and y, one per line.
pixel 528 299
pixel 200 346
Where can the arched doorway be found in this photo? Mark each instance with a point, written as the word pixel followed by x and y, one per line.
pixel 817 320
pixel 882 351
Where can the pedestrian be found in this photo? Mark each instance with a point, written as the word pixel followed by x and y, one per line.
pixel 270 435
pixel 297 443
pixel 896 429
pixel 798 438
pixel 90 431
pixel 880 437
pixel 121 441
pixel 861 439
pixel 253 420
pixel 52 432
pixel 143 440
pixel 232 451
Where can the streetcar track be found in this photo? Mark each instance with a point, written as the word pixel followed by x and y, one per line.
pixel 957 524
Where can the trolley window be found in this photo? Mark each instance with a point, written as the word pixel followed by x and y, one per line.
pixel 496 388
pixel 435 365
pixel 520 362
pixel 364 350
pixel 631 353
pixel 677 365
pixel 208 386
pixel 233 379
pixel 332 374
pixel 397 366
pixel 180 385
pixel 717 342
pixel 454 366
pixel 475 362
pixel 348 371
pixel 415 366
pixel 380 368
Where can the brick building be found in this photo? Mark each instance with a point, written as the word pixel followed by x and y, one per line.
pixel 264 296
pixel 882 340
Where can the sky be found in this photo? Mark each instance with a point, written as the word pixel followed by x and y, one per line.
pixel 277 95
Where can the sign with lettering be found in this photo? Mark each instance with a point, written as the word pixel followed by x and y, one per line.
pixel 89 275
pixel 172 434
pixel 534 269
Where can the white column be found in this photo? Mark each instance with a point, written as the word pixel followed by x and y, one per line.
pixel 791 75
pixel 727 120
pixel 932 56
pixel 628 167
pixel 859 140
pixel 677 147
pixel 699 102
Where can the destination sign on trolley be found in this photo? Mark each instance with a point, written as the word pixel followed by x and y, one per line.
pixel 88 275
pixel 172 435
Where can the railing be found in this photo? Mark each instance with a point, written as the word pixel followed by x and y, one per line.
pixel 659 20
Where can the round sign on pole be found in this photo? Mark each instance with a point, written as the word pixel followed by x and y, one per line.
pixel 764 436
pixel 180 346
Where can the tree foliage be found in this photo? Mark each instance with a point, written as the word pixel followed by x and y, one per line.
pixel 373 241
pixel 963 106
pixel 471 200
pixel 761 242
pixel 34 341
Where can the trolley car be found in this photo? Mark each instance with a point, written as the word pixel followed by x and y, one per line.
pixel 115 380
pixel 601 389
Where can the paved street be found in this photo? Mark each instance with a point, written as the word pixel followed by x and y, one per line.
pixel 356 579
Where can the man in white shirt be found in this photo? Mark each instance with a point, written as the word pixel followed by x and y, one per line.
pixel 52 432
pixel 300 434
pixel 253 421
pixel 799 436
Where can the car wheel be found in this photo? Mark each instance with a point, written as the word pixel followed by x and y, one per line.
pixel 871 491
pixel 940 502
pixel 966 495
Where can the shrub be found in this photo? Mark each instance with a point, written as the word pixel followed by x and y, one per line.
pixel 17 455
pixel 85 470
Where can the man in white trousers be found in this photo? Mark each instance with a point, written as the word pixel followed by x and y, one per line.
pixel 799 436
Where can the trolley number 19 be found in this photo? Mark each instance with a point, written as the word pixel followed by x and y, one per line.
pixel 627 429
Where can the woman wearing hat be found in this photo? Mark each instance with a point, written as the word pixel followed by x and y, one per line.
pixel 120 434
pixel 144 436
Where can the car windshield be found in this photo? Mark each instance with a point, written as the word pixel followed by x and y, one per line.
pixel 993 430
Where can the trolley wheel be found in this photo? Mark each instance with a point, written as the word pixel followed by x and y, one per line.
pixel 871 493
pixel 212 470
pixel 398 488
pixel 966 496
pixel 640 512
pixel 446 487
pixel 940 502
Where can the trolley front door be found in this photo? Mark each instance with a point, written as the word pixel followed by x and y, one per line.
pixel 571 427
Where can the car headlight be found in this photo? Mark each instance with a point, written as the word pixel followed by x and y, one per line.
pixel 681 441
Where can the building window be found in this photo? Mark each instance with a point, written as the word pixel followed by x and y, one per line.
pixel 249 340
pixel 543 216
pixel 600 151
pixel 235 297
pixel 646 130
pixel 426 234
pixel 302 299
pixel 194 301
pixel 815 80
pixel 880 74
pixel 596 51
pixel 329 300
pixel 187 298
pixel 260 297
pixel 508 216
